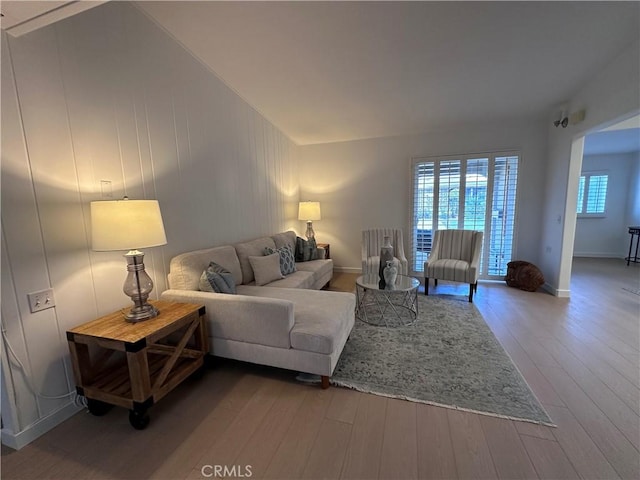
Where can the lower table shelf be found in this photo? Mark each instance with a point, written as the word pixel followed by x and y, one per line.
pixel 114 386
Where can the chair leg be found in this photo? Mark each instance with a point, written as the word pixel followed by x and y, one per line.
pixel 471 292
pixel 435 282
pixel 426 285
pixel 324 381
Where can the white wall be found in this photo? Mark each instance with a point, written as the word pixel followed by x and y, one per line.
pixel 107 95
pixel 368 183
pixel 633 204
pixel 607 236
pixel 609 96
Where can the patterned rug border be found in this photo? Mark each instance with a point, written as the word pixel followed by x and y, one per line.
pixel 378 389
pixel 632 290
pixel 359 388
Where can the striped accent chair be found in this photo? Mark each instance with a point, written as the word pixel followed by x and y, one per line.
pixel 455 256
pixel 372 242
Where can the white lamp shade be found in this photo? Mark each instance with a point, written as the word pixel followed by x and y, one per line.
pixel 126 225
pixel 309 211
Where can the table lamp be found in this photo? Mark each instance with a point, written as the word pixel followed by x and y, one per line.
pixel 129 225
pixel 309 211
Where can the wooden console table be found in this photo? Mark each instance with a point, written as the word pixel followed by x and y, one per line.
pixel 133 365
pixel 635 233
pixel 327 249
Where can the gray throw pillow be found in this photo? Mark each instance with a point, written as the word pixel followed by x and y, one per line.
pixel 287 259
pixel 266 269
pixel 306 250
pixel 217 279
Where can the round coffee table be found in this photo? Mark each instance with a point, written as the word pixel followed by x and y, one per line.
pixel 392 306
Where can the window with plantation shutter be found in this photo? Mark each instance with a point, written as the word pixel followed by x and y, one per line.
pixel 592 194
pixel 473 192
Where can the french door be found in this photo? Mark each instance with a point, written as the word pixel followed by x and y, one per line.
pixel 473 192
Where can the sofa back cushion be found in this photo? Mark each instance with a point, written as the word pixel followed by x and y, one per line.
pixel 285 238
pixel 186 269
pixel 254 248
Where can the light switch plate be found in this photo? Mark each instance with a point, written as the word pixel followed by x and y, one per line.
pixel 41 300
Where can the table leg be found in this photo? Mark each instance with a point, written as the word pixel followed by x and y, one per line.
pixel 139 375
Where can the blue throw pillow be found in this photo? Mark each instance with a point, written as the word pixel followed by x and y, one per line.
pixel 306 250
pixel 287 259
pixel 217 279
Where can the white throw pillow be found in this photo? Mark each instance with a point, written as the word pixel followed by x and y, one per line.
pixel 266 269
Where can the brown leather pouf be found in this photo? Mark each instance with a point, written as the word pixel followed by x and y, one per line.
pixel 524 275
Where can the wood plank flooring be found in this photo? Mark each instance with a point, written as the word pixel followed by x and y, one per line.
pixel 580 356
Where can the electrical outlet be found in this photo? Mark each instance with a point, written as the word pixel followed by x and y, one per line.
pixel 105 188
pixel 41 300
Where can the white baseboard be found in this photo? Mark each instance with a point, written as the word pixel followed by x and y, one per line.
pixel 40 427
pixel 597 255
pixel 347 270
pixel 556 292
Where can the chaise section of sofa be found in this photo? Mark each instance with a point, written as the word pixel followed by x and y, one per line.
pixel 288 323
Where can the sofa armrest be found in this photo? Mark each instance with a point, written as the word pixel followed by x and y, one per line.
pixel 244 318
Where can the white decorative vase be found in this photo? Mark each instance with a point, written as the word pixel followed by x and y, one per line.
pixel 386 255
pixel 390 273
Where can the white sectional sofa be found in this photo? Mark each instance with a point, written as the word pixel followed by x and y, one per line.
pixel 289 323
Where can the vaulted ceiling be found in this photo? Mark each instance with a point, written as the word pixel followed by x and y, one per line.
pixel 331 71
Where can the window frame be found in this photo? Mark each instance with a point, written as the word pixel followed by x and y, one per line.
pixel 491 156
pixel 587 174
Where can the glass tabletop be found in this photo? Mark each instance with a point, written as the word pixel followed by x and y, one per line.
pixel 403 283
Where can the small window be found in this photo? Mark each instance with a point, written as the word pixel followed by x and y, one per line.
pixel 592 194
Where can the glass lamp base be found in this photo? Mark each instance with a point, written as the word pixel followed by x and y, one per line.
pixel 138 286
pixel 140 313
pixel 310 233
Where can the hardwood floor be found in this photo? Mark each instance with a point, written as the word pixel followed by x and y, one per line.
pixel 580 356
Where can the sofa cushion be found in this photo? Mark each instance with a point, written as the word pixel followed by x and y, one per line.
pixel 322 318
pixel 319 268
pixel 266 268
pixel 320 322
pixel 298 279
pixel 285 238
pixel 217 279
pixel 186 269
pixel 287 260
pixel 253 248
pixel 451 269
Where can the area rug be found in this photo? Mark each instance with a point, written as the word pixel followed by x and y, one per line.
pixel 449 358
pixel 635 291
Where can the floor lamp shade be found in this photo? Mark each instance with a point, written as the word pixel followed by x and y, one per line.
pixel 129 225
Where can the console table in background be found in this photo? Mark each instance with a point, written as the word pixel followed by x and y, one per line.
pixel 635 234
pixel 327 249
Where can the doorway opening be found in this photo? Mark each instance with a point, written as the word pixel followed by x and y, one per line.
pixel 605 170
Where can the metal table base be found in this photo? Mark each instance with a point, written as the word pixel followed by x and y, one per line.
pixel 635 233
pixel 389 308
